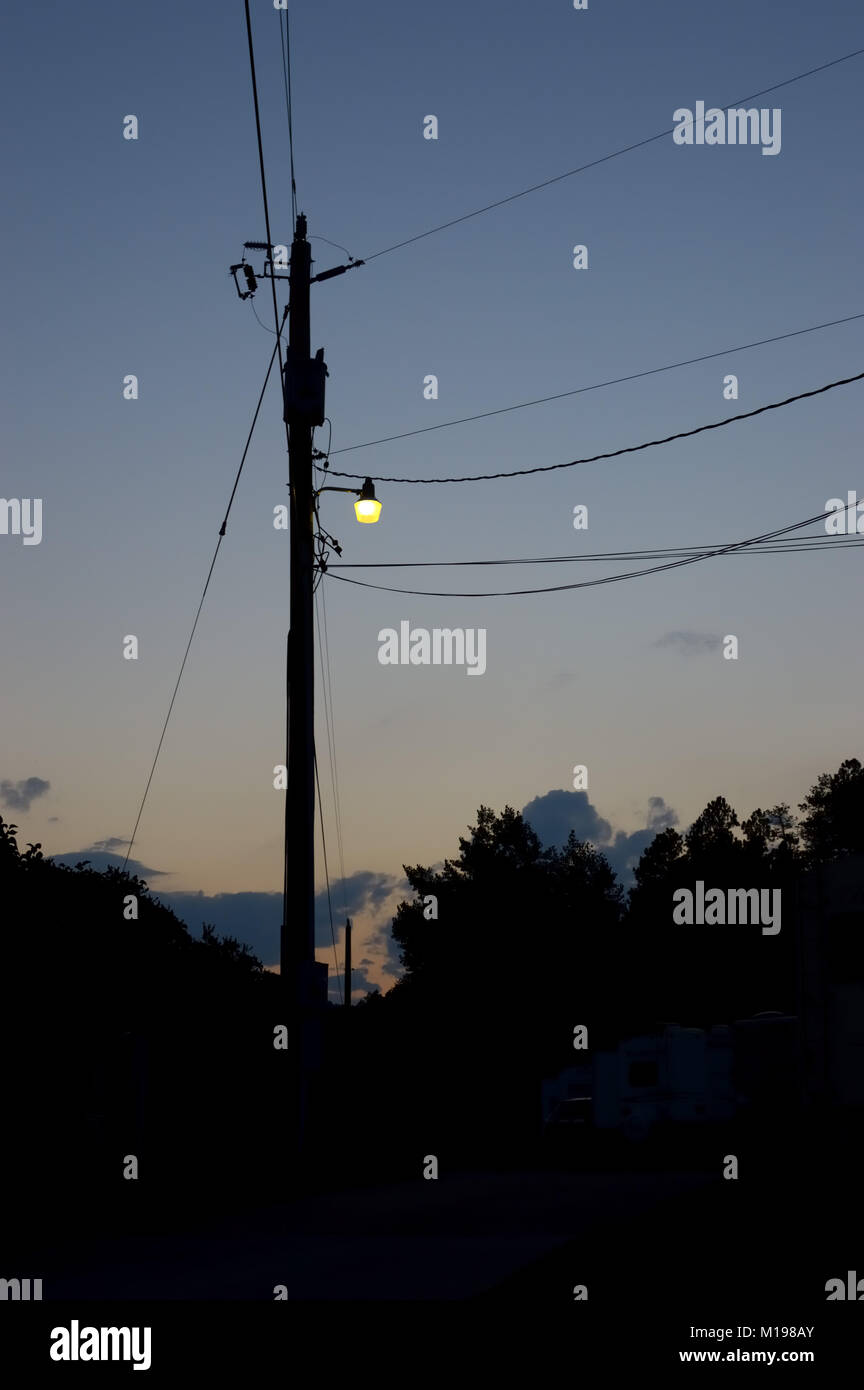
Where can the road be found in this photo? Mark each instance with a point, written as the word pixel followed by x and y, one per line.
pixel 452 1238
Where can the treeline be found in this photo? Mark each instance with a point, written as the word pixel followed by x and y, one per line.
pixel 125 1036
pixel 530 942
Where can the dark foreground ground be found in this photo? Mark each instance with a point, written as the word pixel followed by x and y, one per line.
pixel 482 1260
pixel 661 1237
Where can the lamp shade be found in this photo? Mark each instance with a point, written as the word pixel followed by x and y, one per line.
pixel 367 508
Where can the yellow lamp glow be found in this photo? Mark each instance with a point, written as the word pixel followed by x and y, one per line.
pixel 367 507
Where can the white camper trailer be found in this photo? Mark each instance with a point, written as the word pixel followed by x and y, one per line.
pixel 674 1076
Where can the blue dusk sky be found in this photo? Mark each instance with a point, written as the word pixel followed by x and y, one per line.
pixel 116 258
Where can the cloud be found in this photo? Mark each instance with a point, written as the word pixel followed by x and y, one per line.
pixel 381 900
pixel 626 850
pixel 359 981
pixel 689 643
pixel 363 891
pixel 111 844
pixel 554 815
pixel 101 859
pixel 561 680
pixel 255 917
pixel 660 816
pixel 19 796
pixel 381 942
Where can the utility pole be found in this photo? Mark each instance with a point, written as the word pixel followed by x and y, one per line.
pixel 347 962
pixel 306 980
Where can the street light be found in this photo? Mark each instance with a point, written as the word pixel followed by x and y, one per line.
pixel 367 507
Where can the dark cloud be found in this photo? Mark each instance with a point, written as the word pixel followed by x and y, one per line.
pixel 626 850
pixel 19 796
pixel 111 844
pixel 554 815
pixel 363 891
pixel 359 981
pixel 255 917
pixel 252 918
pixel 690 643
pixel 382 943
pixel 561 680
pixel 101 859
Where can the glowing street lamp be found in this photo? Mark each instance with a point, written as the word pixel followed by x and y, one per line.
pixel 367 507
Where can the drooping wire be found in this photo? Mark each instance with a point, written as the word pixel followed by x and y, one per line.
pixel 263 325
pixel 331 726
pixel 222 530
pixel 324 540
pixel 597 385
pixel 326 452
pixel 336 809
pixel 616 453
pixel 317 237
pixel 775 547
pixel 593 583
pixel 326 869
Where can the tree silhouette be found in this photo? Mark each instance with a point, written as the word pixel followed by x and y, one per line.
pixel 126 1035
pixel 833 825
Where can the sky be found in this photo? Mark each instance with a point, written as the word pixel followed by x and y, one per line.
pixel 117 254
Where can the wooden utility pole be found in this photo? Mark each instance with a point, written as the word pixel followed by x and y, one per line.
pixel 347 962
pixel 306 980
pixel 298 939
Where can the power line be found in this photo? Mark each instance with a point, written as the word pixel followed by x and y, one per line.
pixel 222 530
pixel 263 176
pixel 285 37
pixel 326 870
pixel 592 164
pixel 263 325
pixel 774 547
pixel 334 763
pixel 337 244
pixel 615 453
pixel 325 454
pixel 597 386
pixel 281 371
pixel 592 583
pixel 326 671
pixel 326 681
